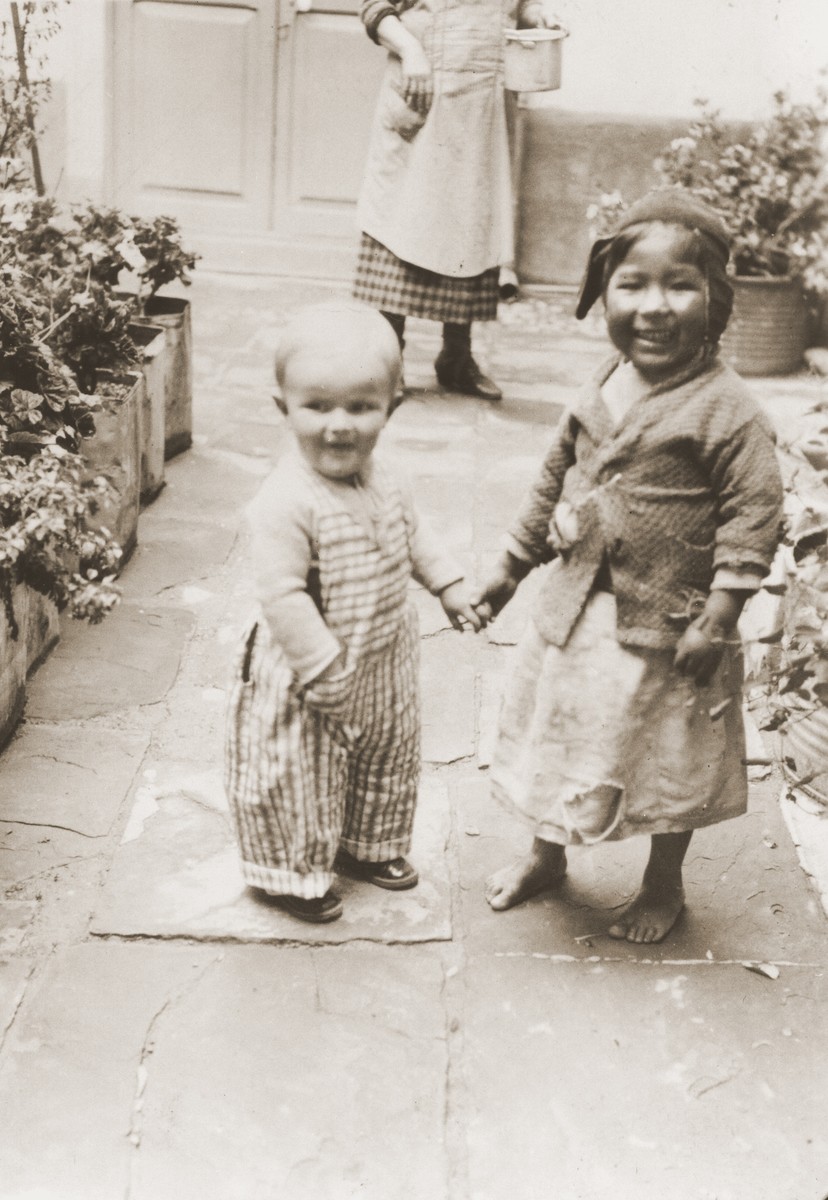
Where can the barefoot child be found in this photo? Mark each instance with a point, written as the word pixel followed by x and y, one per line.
pixel 660 502
pixel 323 754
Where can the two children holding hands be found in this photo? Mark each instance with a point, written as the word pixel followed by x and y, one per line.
pixel 658 506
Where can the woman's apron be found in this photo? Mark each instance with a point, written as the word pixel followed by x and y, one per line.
pixel 437 190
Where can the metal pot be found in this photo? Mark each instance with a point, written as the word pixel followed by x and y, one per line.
pixel 532 59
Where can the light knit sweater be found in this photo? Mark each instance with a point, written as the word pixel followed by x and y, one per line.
pixel 284 523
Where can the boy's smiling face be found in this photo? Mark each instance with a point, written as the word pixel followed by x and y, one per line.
pixel 656 303
pixel 337 404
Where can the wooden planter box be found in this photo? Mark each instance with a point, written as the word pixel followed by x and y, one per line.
pixel 13 664
pixel 115 453
pixel 173 314
pixel 43 629
pixel 152 341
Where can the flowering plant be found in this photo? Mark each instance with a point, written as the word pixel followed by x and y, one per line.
pixel 790 681
pixel 164 258
pixel 44 542
pixel 41 407
pixel 770 187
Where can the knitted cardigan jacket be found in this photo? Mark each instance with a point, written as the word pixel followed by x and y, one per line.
pixel 685 491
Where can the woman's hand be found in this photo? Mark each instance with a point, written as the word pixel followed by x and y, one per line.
pixel 417 87
pixel 458 607
pixel 537 14
pixel 417 78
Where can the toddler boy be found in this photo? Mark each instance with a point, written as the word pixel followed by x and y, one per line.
pixel 323 736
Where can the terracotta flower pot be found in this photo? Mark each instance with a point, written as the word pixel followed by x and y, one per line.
pixel 768 332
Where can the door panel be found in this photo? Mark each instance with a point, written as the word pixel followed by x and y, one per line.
pixel 205 152
pixel 328 51
pixel 248 120
pixel 329 77
pixel 193 98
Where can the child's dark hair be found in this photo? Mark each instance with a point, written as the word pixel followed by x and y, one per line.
pixel 707 247
pixel 699 250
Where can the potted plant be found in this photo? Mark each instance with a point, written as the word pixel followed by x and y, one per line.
pixel 90 333
pixel 165 261
pixel 770 186
pixel 152 253
pixel 41 410
pixel 46 549
pixel 76 256
pixel 96 247
pixel 40 402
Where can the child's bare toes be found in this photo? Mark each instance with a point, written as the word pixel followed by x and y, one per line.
pixel 649 918
pixel 525 878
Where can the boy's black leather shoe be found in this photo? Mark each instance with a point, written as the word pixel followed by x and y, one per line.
pixel 318 912
pixel 461 374
pixel 396 875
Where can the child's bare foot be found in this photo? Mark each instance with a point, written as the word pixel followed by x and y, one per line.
pixel 651 916
pixel 541 870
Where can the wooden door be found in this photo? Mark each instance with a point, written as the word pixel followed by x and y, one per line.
pixel 249 121
pixel 328 78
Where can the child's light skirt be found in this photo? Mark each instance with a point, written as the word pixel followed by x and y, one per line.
pixel 599 741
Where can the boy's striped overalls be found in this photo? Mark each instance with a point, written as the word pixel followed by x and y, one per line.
pixel 335 763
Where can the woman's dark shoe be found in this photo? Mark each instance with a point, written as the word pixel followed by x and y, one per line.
pixel 396 875
pixel 461 374
pixel 317 912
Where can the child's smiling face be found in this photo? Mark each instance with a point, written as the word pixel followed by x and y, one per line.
pixel 337 405
pixel 656 303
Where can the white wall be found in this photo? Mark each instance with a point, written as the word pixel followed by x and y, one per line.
pixel 657 56
pixel 647 57
pixel 77 57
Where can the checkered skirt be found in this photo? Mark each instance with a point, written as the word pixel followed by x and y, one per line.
pixel 391 285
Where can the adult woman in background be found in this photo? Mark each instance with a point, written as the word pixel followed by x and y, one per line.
pixel 436 204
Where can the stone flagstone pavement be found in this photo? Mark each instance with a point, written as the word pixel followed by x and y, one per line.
pixel 164 1036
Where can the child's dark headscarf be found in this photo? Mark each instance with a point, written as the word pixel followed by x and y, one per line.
pixel 671 206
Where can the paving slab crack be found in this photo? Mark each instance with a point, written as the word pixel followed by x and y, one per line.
pixel 50 825
pixel 16 1006
pixel 136 1127
pixel 44 873
pixel 456 1113
pixel 700 1087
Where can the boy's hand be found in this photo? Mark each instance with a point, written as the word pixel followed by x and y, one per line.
pixel 458 607
pixel 330 691
pixel 332 670
pixel 496 591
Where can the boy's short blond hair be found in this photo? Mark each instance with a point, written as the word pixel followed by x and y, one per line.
pixel 336 326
